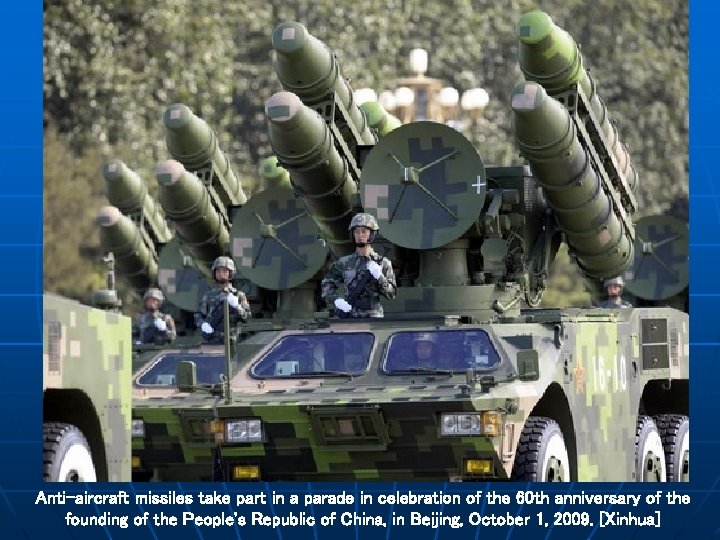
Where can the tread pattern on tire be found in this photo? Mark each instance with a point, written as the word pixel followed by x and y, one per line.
pixel 53 433
pixel 669 427
pixel 527 458
pixel 642 421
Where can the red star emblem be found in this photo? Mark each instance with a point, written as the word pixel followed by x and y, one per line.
pixel 579 374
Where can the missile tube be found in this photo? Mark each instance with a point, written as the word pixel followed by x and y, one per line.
pixel 546 136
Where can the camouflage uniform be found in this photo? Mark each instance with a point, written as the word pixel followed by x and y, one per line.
pixel 615 303
pixel 216 296
pixel 349 270
pixel 211 306
pixel 149 333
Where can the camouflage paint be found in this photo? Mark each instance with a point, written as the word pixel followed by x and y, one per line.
pixel 547 48
pixel 200 224
pixel 319 171
pixel 89 351
pixel 135 257
pixel 128 192
pixel 275 241
pixel 661 266
pixel 193 143
pixel 425 184
pixel 548 138
pixel 182 280
pixel 586 370
pixel 597 371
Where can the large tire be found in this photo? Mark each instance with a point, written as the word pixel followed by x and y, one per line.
pixel 541 453
pixel 649 452
pixel 675 434
pixel 66 454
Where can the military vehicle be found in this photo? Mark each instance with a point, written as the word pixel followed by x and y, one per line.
pixel 507 390
pixel 86 390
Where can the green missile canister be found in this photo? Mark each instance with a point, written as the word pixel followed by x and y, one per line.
pixel 190 141
pixel 274 175
pixel 134 258
pixel 547 138
pixel 379 119
pixel 129 193
pixel 551 57
pixel 187 204
pixel 309 69
pixel 303 144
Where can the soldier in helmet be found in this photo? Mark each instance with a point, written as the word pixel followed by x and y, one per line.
pixel 211 306
pixel 424 349
pixel 614 288
pixel 154 326
pixel 366 275
pixel 421 352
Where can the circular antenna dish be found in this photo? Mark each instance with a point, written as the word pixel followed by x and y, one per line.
pixel 425 184
pixel 180 279
pixel 660 268
pixel 274 241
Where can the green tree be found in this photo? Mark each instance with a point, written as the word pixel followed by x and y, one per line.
pixel 112 66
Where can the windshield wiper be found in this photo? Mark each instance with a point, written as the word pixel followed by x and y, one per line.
pixel 321 372
pixel 427 371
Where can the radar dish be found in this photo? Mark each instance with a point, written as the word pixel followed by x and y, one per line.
pixel 660 268
pixel 180 279
pixel 275 242
pixel 425 184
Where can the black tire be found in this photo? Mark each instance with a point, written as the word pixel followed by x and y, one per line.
pixel 649 453
pixel 66 454
pixel 675 434
pixel 541 453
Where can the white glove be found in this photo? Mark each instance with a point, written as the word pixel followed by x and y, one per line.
pixel 375 269
pixel 205 327
pixel 342 305
pixel 232 301
pixel 160 324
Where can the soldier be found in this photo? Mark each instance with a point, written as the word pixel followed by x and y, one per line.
pixel 614 288
pixel 154 326
pixel 421 353
pixel 366 274
pixel 424 345
pixel 211 306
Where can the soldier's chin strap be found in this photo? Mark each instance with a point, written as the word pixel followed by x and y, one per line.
pixel 373 234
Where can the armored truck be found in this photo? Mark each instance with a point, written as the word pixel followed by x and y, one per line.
pixel 465 377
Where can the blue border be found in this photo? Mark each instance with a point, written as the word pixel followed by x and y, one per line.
pixel 21 233
pixel 20 340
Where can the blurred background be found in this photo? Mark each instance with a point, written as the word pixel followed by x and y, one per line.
pixel 112 67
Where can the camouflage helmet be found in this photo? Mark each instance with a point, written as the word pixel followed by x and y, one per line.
pixel 155 293
pixel 425 336
pixel 224 262
pixel 364 220
pixel 614 281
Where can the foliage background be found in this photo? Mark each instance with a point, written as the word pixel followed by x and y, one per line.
pixel 112 66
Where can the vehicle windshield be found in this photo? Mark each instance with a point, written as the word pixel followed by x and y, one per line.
pixel 440 351
pixel 303 355
pixel 208 367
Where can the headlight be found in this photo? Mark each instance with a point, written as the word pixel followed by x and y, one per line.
pixel 481 423
pixel 460 424
pixel 137 427
pixel 237 431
